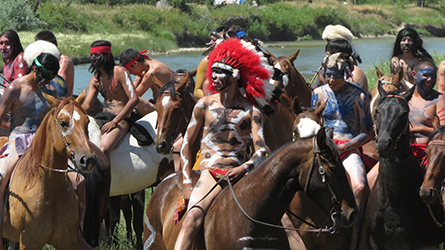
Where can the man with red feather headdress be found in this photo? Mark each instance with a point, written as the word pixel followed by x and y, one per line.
pixel 227 118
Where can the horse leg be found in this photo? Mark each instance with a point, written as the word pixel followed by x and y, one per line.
pixel 138 203
pixel 97 196
pixel 114 215
pixel 125 206
pixel 295 241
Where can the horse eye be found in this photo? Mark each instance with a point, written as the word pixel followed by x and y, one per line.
pixel 64 124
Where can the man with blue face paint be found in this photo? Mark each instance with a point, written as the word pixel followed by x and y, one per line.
pixel 347 112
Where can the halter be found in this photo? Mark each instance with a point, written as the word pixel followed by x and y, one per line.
pixel 384 82
pixel 321 170
pixel 187 120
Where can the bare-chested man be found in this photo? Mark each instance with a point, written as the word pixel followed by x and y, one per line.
pixel 28 107
pixel 408 49
pixel 228 120
pixel 120 98
pixel 347 111
pixel 441 77
pixel 66 71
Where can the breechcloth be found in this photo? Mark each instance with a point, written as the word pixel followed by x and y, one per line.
pixel 419 151
pixel 22 143
pixel 136 130
pixel 218 173
pixel 367 161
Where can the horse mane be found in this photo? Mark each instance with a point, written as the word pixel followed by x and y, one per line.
pixel 34 154
pixel 170 87
pixel 440 130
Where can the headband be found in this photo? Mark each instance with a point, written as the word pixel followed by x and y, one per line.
pixel 100 49
pixel 220 65
pixel 142 53
pixel 40 66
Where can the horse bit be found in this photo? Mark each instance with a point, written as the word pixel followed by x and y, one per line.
pixel 335 204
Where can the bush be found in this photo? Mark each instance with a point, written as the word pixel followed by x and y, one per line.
pixel 17 15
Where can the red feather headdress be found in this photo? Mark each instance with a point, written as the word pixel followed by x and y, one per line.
pixel 242 56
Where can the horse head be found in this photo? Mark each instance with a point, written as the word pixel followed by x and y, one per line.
pixel 432 185
pixel 392 82
pixel 327 181
pixel 174 107
pixel 308 121
pixel 65 127
pixel 392 121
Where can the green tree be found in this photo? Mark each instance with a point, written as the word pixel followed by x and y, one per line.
pixel 18 15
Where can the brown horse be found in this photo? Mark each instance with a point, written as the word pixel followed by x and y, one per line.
pixel 290 79
pixel 264 195
pixel 42 207
pixel 432 187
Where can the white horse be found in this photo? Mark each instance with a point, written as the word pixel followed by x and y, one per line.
pixel 133 167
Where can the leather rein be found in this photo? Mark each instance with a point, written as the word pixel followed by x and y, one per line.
pixel 335 204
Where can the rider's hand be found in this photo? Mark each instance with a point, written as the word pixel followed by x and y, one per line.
pixel 237 173
pixel 341 148
pixel 107 127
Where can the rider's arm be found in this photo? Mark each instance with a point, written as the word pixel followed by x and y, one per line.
pixel 258 141
pixel 91 96
pixel 20 67
pixel 200 77
pixel 190 137
pixel 365 134
pixel 67 72
pixel 394 65
pixel 144 83
pixel 440 109
pixel 441 78
pixel 12 93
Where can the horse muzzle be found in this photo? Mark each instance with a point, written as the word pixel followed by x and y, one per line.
pixel 163 147
pixel 429 195
pixel 346 217
pixel 85 164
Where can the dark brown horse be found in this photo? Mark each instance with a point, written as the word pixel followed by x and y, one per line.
pixel 264 194
pixel 432 187
pixel 291 81
pixel 42 207
pixel 395 216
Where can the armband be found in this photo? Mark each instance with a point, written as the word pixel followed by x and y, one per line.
pixel 246 168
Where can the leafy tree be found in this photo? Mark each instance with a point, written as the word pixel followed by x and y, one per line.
pixel 18 15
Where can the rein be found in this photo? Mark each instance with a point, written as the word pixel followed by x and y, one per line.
pixel 322 172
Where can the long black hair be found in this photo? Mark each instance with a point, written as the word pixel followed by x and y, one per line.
pixel 14 39
pixel 106 61
pixel 417 48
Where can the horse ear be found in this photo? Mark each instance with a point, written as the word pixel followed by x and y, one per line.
pixel 320 107
pixel 436 122
pixel 183 82
pixel 272 57
pixel 293 56
pixel 82 95
pixel 296 106
pixel 378 72
pixel 381 90
pixel 330 133
pixel 322 135
pixel 52 101
pixel 157 81
pixel 408 94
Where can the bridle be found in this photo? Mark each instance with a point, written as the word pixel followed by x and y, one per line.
pixel 182 111
pixel 439 143
pixel 384 82
pixel 68 149
pixel 404 130
pixel 336 209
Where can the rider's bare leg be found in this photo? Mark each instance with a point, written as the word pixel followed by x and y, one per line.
pixel 294 238
pixel 372 175
pixel 109 140
pixel 357 173
pixel 176 155
pixel 197 210
pixel 7 165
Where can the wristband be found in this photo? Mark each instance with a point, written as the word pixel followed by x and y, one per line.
pixel 246 168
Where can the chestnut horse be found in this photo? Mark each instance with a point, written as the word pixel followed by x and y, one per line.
pixel 42 207
pixel 311 165
pixel 291 81
pixel 395 216
pixel 432 187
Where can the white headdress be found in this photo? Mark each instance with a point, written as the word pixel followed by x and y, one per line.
pixel 36 48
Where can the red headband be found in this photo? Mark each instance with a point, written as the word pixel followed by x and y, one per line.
pixel 100 49
pixel 142 53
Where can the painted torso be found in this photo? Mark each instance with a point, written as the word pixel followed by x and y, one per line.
pixel 27 117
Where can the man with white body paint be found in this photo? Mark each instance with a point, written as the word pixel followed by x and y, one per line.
pixel 348 113
pixel 28 107
pixel 114 84
pixel 227 119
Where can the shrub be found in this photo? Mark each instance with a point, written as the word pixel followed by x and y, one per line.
pixel 17 15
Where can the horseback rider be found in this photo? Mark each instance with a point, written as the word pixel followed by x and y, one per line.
pixel 347 112
pixel 227 118
pixel 120 98
pixel 407 51
pixel 12 53
pixel 28 107
pixel 441 77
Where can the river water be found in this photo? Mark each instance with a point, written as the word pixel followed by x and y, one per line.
pixel 371 50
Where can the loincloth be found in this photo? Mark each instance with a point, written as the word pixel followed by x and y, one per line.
pixel 218 173
pixel 22 143
pixel 419 151
pixel 367 161
pixel 136 130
